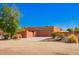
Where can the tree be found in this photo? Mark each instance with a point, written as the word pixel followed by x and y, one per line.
pixel 76 29
pixel 71 30
pixel 9 19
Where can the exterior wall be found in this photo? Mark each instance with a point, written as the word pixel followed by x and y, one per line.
pixel 43 33
pixel 39 31
pixel 31 33
pixel 23 34
pixel 69 33
pixel 27 33
pixel 55 29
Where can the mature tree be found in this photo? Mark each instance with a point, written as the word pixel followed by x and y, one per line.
pixel 71 30
pixel 9 19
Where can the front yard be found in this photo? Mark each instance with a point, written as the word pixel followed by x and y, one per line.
pixel 30 47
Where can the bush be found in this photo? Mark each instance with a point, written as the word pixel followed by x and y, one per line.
pixel 6 36
pixel 16 36
pixel 72 39
pixel 54 35
pixel 62 36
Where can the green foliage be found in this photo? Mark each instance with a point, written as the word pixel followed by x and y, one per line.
pixel 54 35
pixel 9 19
pixel 72 39
pixel 61 35
pixel 69 29
pixel 76 29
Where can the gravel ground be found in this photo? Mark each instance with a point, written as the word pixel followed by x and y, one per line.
pixel 37 47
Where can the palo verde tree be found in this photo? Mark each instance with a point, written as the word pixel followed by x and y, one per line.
pixel 9 19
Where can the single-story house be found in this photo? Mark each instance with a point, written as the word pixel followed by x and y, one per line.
pixel 43 31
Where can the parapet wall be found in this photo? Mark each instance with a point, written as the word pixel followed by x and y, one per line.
pixel 69 33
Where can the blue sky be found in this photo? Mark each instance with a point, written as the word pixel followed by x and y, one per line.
pixel 48 14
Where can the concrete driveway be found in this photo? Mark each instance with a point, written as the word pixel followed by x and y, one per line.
pixel 35 38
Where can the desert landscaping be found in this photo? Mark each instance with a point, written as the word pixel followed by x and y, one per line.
pixel 34 46
pixel 19 36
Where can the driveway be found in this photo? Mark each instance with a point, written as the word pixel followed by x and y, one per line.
pixel 35 38
pixel 33 46
pixel 19 42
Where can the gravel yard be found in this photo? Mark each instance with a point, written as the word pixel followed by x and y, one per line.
pixel 33 46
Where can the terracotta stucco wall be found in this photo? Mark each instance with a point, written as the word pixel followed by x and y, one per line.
pixel 69 33
pixel 31 33
pixel 43 33
pixel 39 31
pixel 23 34
pixel 55 29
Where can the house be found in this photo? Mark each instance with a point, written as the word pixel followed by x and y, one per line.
pixel 43 31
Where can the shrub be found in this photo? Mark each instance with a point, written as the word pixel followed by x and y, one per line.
pixel 54 35
pixel 72 39
pixel 6 36
pixel 16 36
pixel 62 36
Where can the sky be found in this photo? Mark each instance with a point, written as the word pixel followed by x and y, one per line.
pixel 62 15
